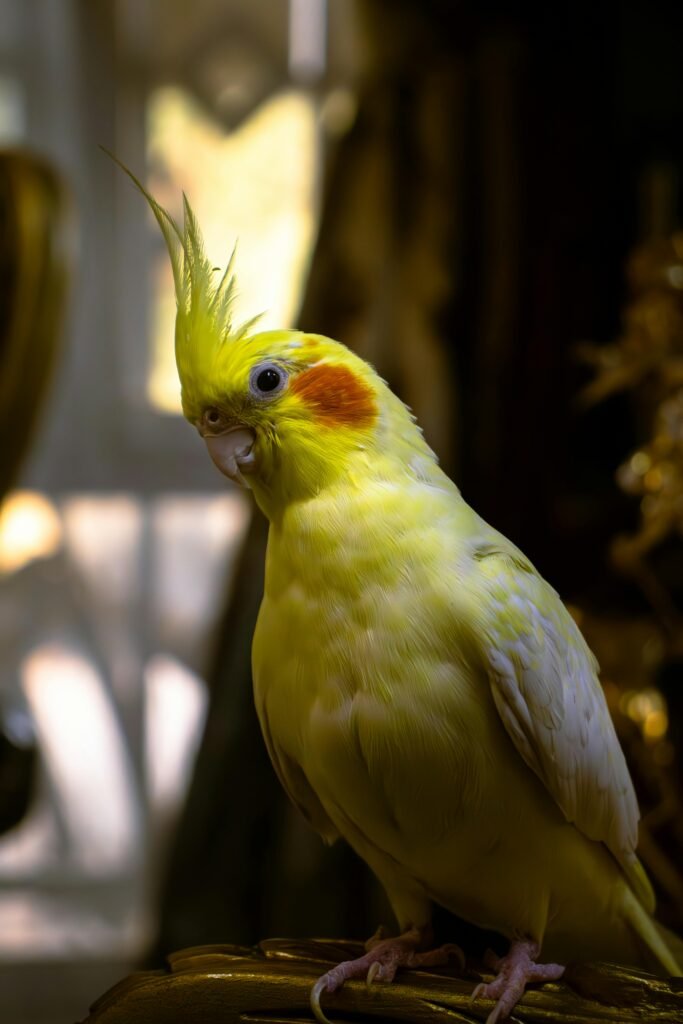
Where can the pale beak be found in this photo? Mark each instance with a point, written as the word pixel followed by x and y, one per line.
pixel 233 453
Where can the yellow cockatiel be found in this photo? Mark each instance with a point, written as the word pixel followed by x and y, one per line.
pixel 423 692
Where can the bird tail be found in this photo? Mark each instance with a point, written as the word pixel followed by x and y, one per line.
pixel 665 947
pixel 639 882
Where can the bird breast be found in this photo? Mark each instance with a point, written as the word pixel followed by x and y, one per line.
pixel 360 673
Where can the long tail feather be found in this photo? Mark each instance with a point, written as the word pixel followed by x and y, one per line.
pixel 652 935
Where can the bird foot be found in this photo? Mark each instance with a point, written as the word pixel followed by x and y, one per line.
pixel 381 961
pixel 513 973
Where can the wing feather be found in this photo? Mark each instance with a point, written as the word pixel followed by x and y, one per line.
pixel 544 681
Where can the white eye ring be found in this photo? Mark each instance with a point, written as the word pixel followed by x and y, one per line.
pixel 267 380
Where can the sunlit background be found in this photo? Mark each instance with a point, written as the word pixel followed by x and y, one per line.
pixel 117 545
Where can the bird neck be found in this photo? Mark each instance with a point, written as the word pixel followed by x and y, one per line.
pixel 306 462
pixel 309 460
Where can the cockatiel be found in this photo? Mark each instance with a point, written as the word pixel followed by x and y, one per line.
pixel 422 691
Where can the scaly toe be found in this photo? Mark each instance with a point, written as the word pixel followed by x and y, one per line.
pixel 480 992
pixel 382 960
pixel 506 991
pixel 477 992
pixel 439 957
pixel 495 1014
pixel 545 972
pixel 489 990
pixel 514 972
pixel 507 1002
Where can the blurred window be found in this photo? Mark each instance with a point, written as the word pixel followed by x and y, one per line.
pixel 12 111
pixel 254 187
pixel 107 606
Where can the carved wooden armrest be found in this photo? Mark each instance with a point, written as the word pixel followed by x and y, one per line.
pixel 271 985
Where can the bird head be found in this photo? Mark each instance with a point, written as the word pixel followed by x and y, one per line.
pixel 284 413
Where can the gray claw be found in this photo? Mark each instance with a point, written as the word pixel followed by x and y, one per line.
pixel 373 971
pixel 316 992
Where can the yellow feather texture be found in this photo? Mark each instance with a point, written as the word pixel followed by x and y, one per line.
pixel 423 692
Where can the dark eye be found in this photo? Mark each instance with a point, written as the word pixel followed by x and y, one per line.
pixel 212 417
pixel 267 380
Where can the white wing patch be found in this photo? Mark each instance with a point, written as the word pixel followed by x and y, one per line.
pixel 545 686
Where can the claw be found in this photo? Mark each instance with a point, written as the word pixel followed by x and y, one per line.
pixel 316 992
pixel 513 973
pixel 383 958
pixel 494 1015
pixel 477 992
pixel 373 971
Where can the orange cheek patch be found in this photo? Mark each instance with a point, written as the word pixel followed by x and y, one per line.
pixel 337 396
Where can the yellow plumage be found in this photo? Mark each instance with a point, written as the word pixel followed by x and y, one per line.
pixel 387 603
pixel 423 693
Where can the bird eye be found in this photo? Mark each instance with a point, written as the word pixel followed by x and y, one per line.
pixel 267 379
pixel 212 417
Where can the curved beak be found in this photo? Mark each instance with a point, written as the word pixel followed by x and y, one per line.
pixel 232 452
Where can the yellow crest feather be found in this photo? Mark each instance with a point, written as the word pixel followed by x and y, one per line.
pixel 204 304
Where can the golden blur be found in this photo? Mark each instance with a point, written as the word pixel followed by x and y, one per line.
pixel 647 708
pixel 30 528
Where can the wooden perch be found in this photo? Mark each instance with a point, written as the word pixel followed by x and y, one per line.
pixel 271 985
